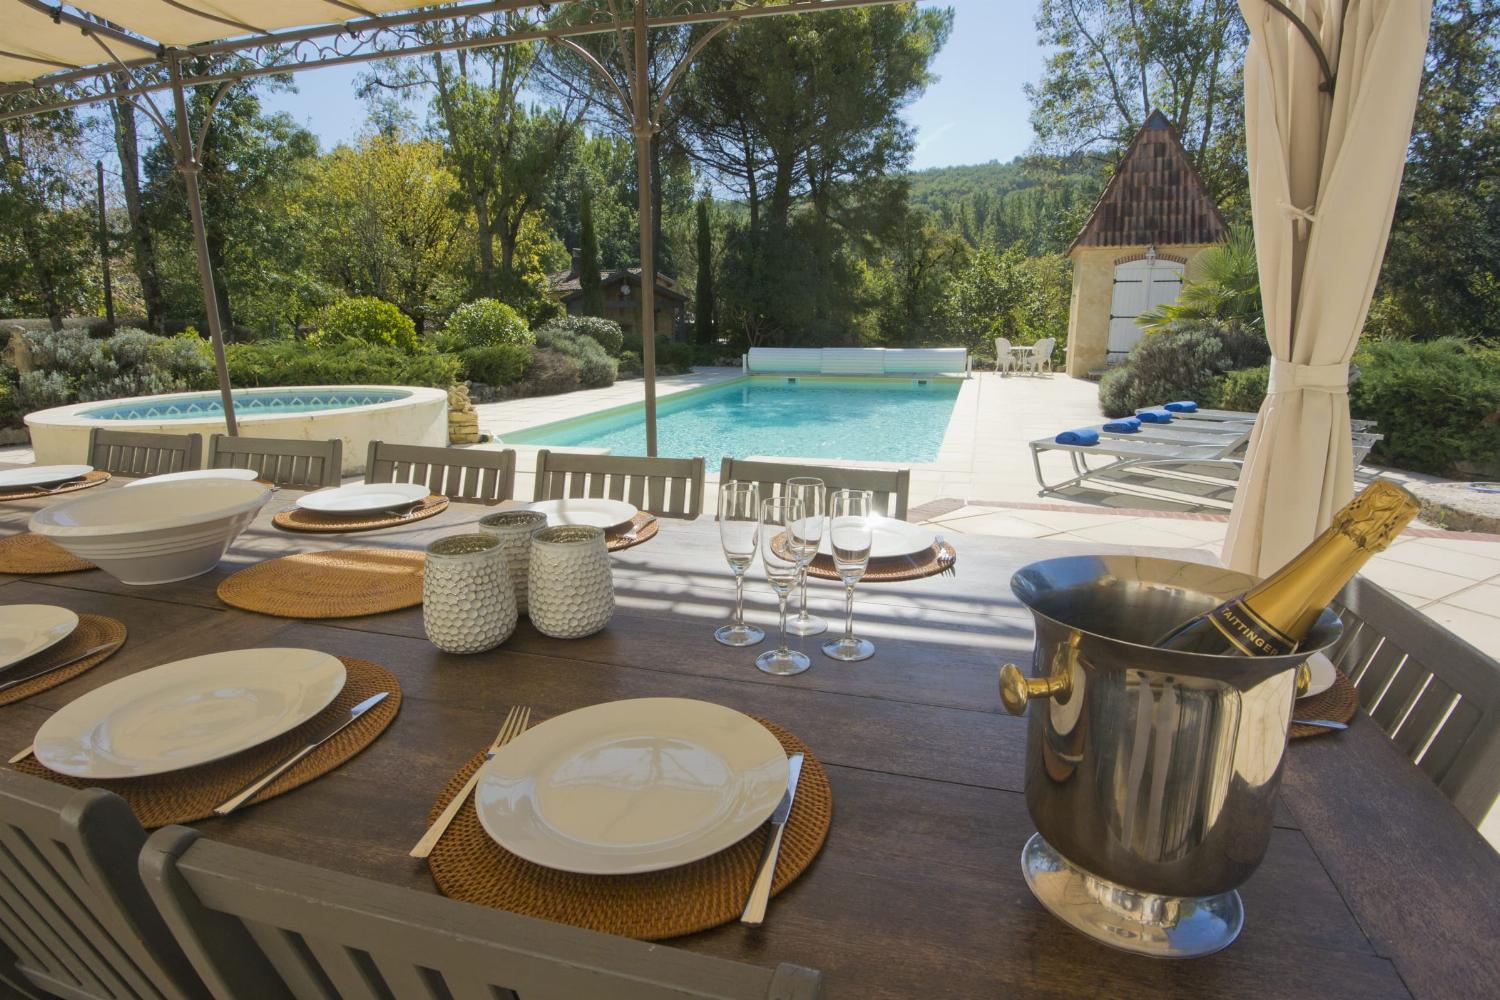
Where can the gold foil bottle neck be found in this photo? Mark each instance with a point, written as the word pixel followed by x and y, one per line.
pixel 1374 518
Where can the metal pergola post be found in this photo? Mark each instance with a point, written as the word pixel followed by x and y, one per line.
pixel 645 135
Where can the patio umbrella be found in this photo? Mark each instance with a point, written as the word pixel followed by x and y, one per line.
pixel 1324 172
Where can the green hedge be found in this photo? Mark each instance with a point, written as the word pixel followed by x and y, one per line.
pixel 497 364
pixel 606 331
pixel 290 362
pixel 485 323
pixel 595 367
pixel 365 320
pixel 1183 362
pixel 1244 389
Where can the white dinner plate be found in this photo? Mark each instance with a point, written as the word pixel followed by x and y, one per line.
pixel 188 712
pixel 27 629
pixel 1323 675
pixel 173 477
pixel 891 538
pixel 584 510
pixel 362 498
pixel 632 786
pixel 41 475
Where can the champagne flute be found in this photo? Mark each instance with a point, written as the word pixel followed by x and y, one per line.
pixel 739 528
pixel 813 495
pixel 782 516
pixel 850 531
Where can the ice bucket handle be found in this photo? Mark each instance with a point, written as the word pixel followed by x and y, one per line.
pixel 1016 689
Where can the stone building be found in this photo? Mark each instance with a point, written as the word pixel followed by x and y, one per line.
pixel 622 298
pixel 1153 219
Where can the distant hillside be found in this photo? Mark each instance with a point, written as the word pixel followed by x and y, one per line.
pixel 1037 202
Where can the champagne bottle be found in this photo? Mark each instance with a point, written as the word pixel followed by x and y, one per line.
pixel 1274 616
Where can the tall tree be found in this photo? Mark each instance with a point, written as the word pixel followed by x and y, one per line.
pixel 588 257
pixel 704 305
pixel 1114 61
pixel 142 236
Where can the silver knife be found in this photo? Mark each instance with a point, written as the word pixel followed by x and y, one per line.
pixel 314 741
pixel 42 671
pixel 760 892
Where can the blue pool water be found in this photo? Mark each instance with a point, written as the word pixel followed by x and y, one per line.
pixel 249 402
pixel 884 420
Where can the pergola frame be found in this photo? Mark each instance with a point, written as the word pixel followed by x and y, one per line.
pixel 378 37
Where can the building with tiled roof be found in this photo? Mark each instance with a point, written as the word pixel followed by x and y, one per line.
pixel 1153 219
pixel 622 297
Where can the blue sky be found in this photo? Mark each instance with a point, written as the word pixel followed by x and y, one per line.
pixel 975 112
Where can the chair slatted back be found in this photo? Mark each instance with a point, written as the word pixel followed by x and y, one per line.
pixel 1436 696
pixel 143 453
pixel 307 465
pixel 667 487
pixel 473 474
pixel 268 928
pixel 891 487
pixel 73 909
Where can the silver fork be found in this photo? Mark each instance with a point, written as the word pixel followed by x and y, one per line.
pixel 634 532
pixel 945 558
pixel 516 721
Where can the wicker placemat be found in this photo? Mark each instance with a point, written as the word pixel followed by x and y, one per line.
pixel 339 584
pixel 297 519
pixel 891 569
pixel 92 630
pixel 643 524
pixel 468 865
pixel 90 479
pixel 27 553
pixel 1337 704
pixel 191 794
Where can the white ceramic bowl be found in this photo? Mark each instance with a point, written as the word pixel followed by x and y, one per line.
pixel 157 532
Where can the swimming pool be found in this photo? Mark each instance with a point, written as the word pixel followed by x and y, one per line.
pixel 886 420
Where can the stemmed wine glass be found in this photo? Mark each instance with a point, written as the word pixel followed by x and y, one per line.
pixel 780 515
pixel 850 531
pixel 813 495
pixel 739 528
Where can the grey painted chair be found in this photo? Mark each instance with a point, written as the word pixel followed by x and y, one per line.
pixel 142 453
pixel 667 487
pixel 890 486
pixel 296 464
pixel 267 928
pixel 457 473
pixel 72 907
pixel 1436 696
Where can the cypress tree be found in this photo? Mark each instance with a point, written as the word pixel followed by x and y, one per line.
pixel 588 258
pixel 705 331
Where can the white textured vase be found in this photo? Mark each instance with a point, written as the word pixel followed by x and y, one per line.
pixel 468 601
pixel 514 529
pixel 572 593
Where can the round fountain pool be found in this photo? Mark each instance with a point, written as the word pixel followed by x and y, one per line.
pixel 357 414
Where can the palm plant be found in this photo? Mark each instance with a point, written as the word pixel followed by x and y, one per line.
pixel 1226 288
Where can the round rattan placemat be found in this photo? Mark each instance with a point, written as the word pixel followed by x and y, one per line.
pixel 645 527
pixel 89 480
pixel 337 584
pixel 29 554
pixel 1337 704
pixel 468 865
pixel 297 519
pixel 92 630
pixel 191 794
pixel 892 569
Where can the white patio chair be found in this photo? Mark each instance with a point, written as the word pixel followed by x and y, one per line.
pixel 1003 359
pixel 1041 355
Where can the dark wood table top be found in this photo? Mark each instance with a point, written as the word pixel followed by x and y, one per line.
pixel 1374 886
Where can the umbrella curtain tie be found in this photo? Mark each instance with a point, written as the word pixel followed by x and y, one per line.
pixel 1304 217
pixel 1289 377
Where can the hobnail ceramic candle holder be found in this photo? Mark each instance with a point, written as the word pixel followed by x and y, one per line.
pixel 468 601
pixel 514 528
pixel 572 593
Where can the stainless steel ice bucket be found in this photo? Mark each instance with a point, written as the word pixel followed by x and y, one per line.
pixel 1152 769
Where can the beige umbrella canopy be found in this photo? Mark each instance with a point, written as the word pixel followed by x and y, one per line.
pixel 1324 173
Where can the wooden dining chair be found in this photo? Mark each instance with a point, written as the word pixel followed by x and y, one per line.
pixel 73 909
pixel 473 474
pixel 302 465
pixel 667 487
pixel 264 927
pixel 143 453
pixel 890 486
pixel 1436 696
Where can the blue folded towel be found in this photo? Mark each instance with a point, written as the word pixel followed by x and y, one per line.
pixel 1083 435
pixel 1154 416
pixel 1183 406
pixel 1129 425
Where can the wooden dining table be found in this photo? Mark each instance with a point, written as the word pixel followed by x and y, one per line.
pixel 1373 885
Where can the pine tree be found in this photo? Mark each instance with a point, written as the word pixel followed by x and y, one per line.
pixel 706 332
pixel 588 258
